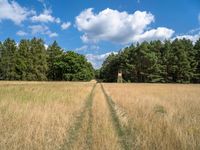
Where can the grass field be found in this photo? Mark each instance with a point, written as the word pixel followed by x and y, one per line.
pixel 85 115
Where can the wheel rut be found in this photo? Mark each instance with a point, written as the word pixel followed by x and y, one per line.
pixel 124 132
pixel 83 120
pixel 97 126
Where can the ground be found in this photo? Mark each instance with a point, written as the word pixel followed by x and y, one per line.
pixel 90 115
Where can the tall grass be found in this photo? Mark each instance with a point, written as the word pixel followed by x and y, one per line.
pixel 104 135
pixel 162 116
pixel 61 115
pixel 37 115
pixel 97 130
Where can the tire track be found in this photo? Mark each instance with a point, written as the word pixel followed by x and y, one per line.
pixel 124 132
pixel 75 128
pixel 104 135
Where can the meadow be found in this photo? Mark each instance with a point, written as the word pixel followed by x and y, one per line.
pixel 86 115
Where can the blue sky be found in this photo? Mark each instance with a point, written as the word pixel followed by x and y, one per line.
pixel 96 28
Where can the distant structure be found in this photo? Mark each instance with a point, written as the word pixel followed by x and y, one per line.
pixel 119 77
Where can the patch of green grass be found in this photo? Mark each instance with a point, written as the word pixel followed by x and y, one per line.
pixel 159 109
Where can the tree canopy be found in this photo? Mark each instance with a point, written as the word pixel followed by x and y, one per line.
pixel 30 60
pixel 175 61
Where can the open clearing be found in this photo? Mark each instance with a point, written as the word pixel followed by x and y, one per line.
pixel 86 115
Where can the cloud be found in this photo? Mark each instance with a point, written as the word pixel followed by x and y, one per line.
pixel 82 48
pixel 119 27
pixel 38 29
pixel 87 47
pixel 54 34
pixel 97 60
pixel 42 29
pixel 13 11
pixel 192 37
pixel 21 33
pixel 65 25
pixel 160 33
pixel 45 17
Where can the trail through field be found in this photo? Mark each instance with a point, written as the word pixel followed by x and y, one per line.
pixel 80 131
pixel 93 116
pixel 104 135
pixel 121 123
pixel 93 128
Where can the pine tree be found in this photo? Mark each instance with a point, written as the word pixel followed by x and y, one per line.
pixel 197 59
pixel 54 52
pixel 38 60
pixel 1 50
pixel 23 62
pixel 8 60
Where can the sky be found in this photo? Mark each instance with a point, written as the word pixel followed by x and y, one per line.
pixel 96 28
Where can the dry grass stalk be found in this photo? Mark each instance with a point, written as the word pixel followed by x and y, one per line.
pixel 37 115
pixel 164 116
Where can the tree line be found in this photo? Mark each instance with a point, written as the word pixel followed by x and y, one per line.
pixel 30 60
pixel 176 61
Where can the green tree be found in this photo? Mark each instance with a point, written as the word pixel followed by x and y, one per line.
pixel 8 60
pixel 180 68
pixel 1 50
pixel 38 60
pixel 110 68
pixel 23 62
pixel 73 67
pixel 145 63
pixel 54 52
pixel 197 59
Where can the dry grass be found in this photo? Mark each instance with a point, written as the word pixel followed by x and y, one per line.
pixel 162 116
pixel 60 115
pixel 104 135
pixel 97 131
pixel 37 115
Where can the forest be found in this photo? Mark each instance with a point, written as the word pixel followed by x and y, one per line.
pixel 29 60
pixel 176 61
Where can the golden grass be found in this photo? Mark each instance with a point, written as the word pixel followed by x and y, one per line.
pixel 97 131
pixel 104 135
pixel 163 116
pixel 37 115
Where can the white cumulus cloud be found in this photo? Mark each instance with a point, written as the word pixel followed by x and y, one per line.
pixel 119 27
pixel 13 11
pixel 45 17
pixel 65 25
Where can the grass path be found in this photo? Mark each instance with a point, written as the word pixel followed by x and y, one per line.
pixel 83 121
pixel 123 130
pixel 93 128
pixel 104 135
